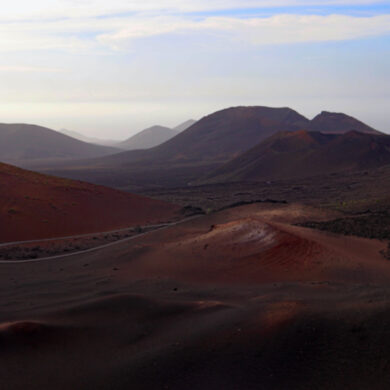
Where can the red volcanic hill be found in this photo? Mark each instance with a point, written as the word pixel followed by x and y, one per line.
pixel 338 123
pixel 303 153
pixel 22 143
pixel 34 206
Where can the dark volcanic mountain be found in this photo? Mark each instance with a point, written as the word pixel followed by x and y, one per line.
pixel 218 137
pixel 36 206
pixel 302 153
pixel 148 138
pixel 22 143
pixel 338 123
pixel 229 132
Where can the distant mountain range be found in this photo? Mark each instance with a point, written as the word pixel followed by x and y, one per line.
pixel 145 139
pixel 22 143
pixel 27 145
pixel 91 140
pixel 198 152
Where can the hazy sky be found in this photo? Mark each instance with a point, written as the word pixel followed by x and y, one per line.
pixel 111 68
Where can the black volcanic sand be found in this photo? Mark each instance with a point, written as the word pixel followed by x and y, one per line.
pixel 348 193
pixel 113 319
pixel 370 225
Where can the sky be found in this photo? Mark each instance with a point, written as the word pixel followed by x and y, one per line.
pixel 111 68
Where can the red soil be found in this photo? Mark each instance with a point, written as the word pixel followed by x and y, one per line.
pixel 240 299
pixel 34 206
pixel 256 249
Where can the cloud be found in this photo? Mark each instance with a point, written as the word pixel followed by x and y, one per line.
pixel 68 62
pixel 279 29
pixel 117 33
pixel 83 25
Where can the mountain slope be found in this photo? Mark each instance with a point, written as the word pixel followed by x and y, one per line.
pixel 338 123
pixel 21 142
pixel 302 153
pixel 34 206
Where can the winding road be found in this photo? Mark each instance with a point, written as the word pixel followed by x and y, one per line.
pixel 155 227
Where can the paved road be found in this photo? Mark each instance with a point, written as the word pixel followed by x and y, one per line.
pixel 157 227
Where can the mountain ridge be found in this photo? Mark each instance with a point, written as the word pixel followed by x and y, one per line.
pixel 211 142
